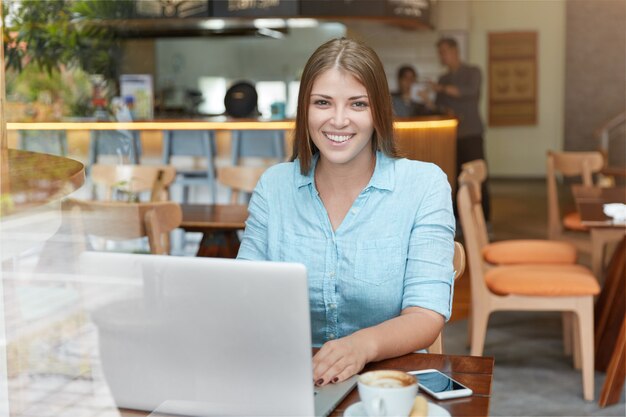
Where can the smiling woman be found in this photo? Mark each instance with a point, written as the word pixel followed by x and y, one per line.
pixel 374 231
pixel 372 275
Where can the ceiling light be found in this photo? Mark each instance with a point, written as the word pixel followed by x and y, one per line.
pixel 269 23
pixel 302 23
pixel 213 24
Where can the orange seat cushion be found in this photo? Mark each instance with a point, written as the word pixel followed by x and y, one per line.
pixel 572 221
pixel 529 251
pixel 542 280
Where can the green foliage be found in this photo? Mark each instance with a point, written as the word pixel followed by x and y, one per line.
pixel 51 47
pixel 70 86
pixel 54 33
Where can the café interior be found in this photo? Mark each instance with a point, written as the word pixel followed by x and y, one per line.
pixel 142 127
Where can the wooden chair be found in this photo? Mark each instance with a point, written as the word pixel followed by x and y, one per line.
pixel 569 164
pixel 459 267
pixel 522 251
pixel 122 221
pixel 583 164
pixel 134 179
pixel 517 251
pixel 565 288
pixel 240 179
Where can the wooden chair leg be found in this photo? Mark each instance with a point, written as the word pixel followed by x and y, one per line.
pixel 584 319
pixel 568 327
pixel 479 332
pixel 468 339
pixel 575 334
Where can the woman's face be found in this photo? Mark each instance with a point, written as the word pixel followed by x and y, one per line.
pixel 340 119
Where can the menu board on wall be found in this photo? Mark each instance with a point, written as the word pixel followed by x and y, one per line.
pixel 254 8
pixel 512 78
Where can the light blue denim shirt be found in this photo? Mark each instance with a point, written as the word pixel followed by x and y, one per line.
pixel 393 250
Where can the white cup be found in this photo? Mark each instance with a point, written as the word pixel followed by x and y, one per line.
pixel 387 393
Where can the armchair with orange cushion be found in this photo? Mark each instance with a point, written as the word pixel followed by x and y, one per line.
pixel 566 288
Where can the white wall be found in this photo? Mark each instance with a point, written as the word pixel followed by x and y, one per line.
pixel 520 151
pixel 182 61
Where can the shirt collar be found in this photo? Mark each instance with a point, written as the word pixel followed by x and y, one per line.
pixel 306 179
pixel 384 173
pixel 383 177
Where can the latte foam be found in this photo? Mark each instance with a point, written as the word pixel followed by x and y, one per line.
pixel 388 383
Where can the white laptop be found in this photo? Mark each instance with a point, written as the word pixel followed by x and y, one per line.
pixel 205 337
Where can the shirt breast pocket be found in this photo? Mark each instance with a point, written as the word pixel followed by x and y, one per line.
pixel 379 261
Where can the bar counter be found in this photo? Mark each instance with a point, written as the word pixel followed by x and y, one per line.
pixel 430 139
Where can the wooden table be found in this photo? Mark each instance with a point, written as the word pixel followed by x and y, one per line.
pixel 610 309
pixel 474 371
pixel 219 224
pixel 589 201
pixel 32 186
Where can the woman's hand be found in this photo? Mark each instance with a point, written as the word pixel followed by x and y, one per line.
pixel 338 360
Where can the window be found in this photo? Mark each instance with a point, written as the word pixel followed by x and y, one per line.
pixel 213 91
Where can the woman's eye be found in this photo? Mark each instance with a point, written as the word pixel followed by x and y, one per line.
pixel 362 104
pixel 321 103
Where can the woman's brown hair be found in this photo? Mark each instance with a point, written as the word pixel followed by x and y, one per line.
pixel 362 62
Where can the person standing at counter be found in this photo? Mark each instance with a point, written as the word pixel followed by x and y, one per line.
pixel 374 231
pixel 458 92
pixel 402 100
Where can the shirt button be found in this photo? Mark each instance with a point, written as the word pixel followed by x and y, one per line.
pixel 354 211
pixel 331 336
pixel 332 275
pixel 332 306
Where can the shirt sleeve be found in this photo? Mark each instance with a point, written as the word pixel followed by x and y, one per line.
pixel 255 238
pixel 429 276
pixel 470 87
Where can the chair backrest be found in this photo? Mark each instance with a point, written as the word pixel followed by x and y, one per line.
pixel 567 164
pixel 473 174
pixel 459 260
pixel 134 179
pixel 474 231
pixel 114 220
pixel 239 179
pixel 458 263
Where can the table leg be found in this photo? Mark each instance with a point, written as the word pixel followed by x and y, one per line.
pixel 223 244
pixel 610 309
pixel 597 251
pixel 616 372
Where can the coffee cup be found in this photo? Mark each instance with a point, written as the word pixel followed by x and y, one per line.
pixel 387 393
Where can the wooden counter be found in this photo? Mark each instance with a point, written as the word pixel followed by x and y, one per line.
pixel 430 139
